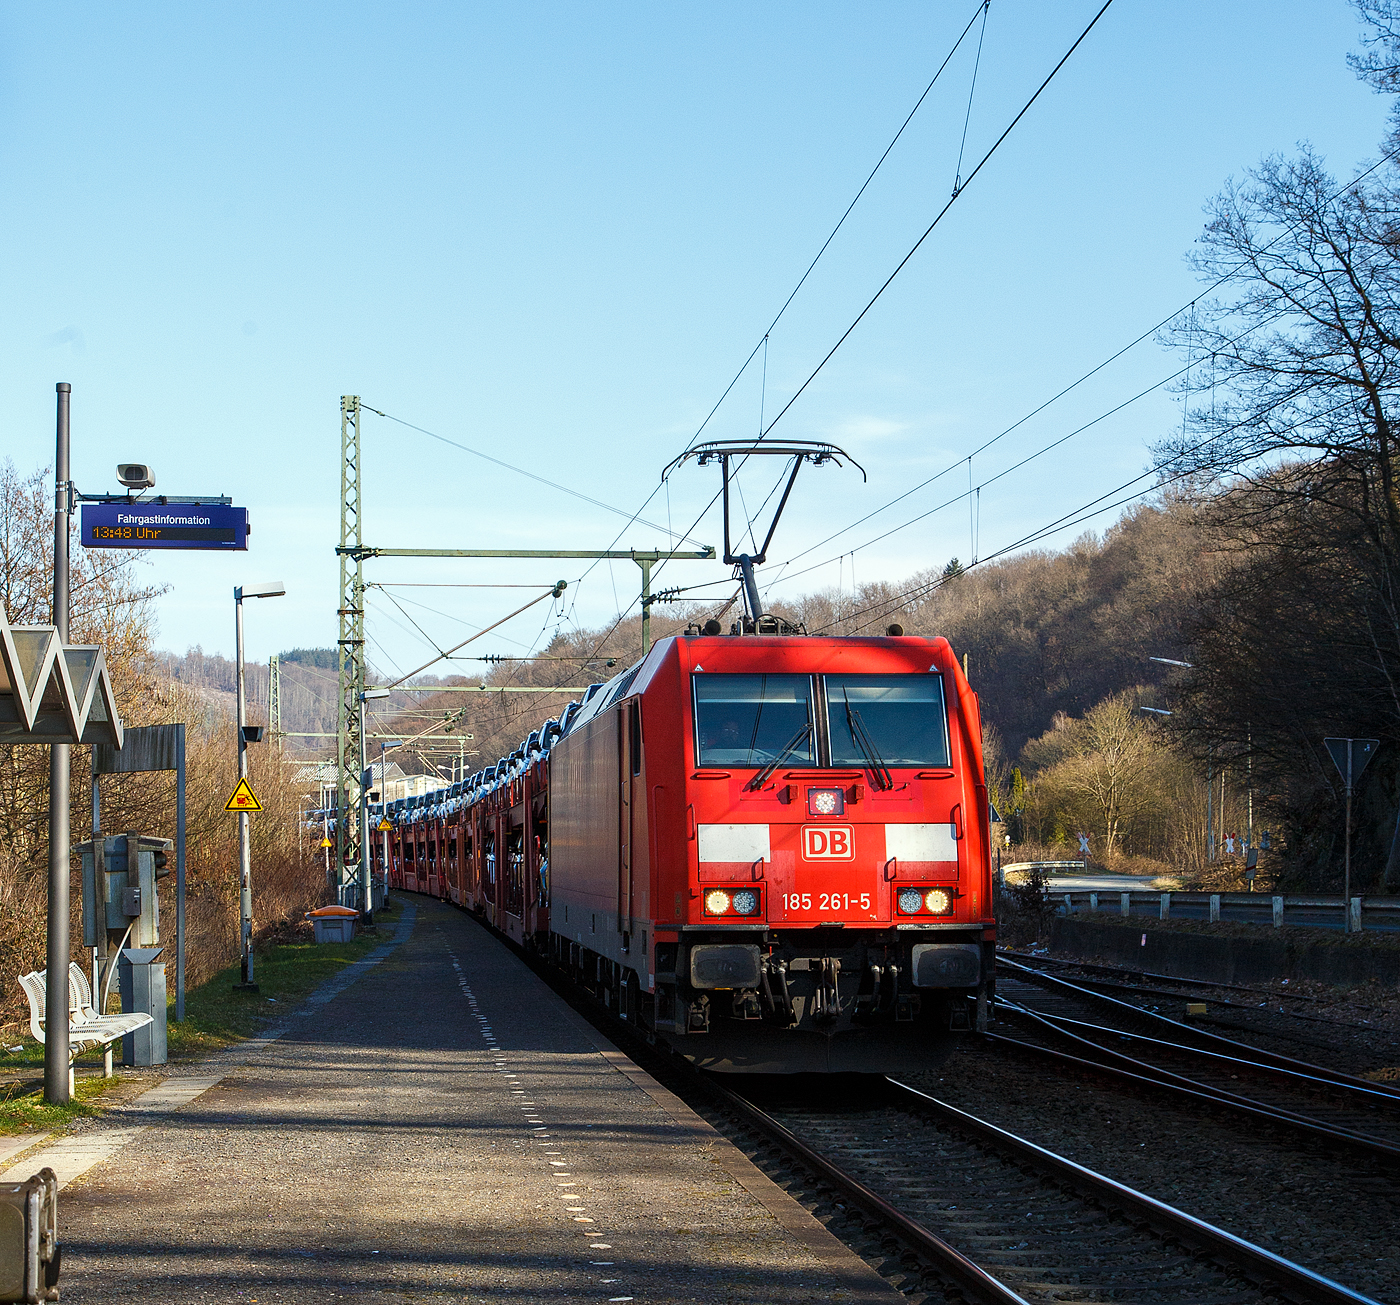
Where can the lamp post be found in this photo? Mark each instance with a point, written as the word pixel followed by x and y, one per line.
pixel 246 734
pixel 366 889
pixel 1210 763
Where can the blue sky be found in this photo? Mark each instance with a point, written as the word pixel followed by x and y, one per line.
pixel 553 232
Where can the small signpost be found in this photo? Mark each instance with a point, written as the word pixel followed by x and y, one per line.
pixel 1351 757
pixel 243 799
pixel 165 523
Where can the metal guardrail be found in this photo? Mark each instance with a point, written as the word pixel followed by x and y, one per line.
pixel 1352 915
pixel 1020 867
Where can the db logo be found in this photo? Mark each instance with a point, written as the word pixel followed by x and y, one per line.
pixel 828 843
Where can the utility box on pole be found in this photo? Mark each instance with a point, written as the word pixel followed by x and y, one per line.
pixel 121 918
pixel 128 898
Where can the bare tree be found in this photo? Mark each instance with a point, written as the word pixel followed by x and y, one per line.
pixel 1294 399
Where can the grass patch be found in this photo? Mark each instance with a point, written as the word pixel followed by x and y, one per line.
pixel 216 1014
pixel 22 1110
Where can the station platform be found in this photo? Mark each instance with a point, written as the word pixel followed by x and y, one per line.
pixel 436 1124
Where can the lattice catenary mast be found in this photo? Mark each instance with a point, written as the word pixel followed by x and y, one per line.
pixel 352 636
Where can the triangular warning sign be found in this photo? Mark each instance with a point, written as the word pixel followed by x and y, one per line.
pixel 326 842
pixel 384 825
pixel 243 799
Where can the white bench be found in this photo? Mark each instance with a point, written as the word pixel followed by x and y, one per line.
pixel 86 1028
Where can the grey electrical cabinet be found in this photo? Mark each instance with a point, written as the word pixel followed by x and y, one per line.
pixel 142 983
pixel 129 894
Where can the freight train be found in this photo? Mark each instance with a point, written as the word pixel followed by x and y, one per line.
pixel 770 851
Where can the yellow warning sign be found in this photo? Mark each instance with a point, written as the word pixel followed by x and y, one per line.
pixel 326 842
pixel 243 799
pixel 384 825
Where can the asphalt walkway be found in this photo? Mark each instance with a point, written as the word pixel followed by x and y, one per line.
pixel 436 1125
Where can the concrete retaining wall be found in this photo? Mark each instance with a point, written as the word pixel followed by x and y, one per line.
pixel 1239 954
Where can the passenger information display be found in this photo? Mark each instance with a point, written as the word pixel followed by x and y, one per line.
pixel 164 525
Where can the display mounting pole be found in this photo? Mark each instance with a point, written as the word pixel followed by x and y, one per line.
pixel 180 876
pixel 56 1042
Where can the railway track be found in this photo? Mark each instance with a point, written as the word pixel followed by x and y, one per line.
pixel 1090 1030
pixel 954 1208
pixel 1265 1016
pixel 1002 1219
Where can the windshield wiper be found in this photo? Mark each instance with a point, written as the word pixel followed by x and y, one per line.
pixel 879 772
pixel 759 780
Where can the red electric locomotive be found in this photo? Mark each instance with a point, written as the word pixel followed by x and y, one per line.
pixel 770 852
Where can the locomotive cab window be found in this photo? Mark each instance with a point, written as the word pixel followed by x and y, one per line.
pixel 749 720
pixel 901 717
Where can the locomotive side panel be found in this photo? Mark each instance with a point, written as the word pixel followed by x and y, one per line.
pixel 584 833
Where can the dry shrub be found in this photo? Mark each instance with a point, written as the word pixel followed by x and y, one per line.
pixel 1023 913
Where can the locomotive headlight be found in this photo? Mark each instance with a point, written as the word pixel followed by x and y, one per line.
pixel 939 901
pixel 826 802
pixel 745 902
pixel 718 902
pixel 911 901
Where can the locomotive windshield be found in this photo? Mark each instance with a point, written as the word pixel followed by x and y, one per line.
pixel 872 720
pixel 900 716
pixel 748 720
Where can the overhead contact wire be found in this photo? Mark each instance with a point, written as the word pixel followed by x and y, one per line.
pixel 753 353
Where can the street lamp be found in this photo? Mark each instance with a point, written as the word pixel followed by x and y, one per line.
pixel 1210 770
pixel 274 589
pixel 366 891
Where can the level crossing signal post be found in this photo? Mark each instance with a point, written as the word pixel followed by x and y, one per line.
pixel 1351 757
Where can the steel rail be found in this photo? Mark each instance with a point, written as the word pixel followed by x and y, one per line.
pixel 1030 958
pixel 1379 1093
pixel 1157 1214
pixel 1124 974
pixel 1230 1044
pixel 1112 985
pixel 1301 1282
pixel 946 1258
pixel 1140 1072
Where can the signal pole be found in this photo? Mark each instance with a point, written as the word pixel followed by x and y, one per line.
pixel 274 699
